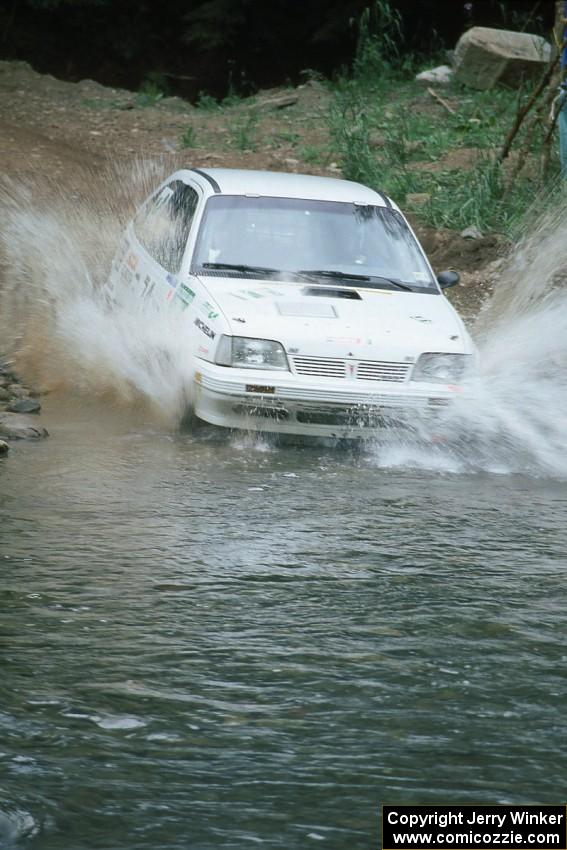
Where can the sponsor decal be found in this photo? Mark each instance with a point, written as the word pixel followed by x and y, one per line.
pixel 209 310
pixel 172 280
pixel 252 294
pixel 202 350
pixel 421 319
pixel 149 285
pixel 185 295
pixel 205 329
pixel 344 340
pixel 239 319
pixel 132 261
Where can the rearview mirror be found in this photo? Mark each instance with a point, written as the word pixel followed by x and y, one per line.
pixel 447 279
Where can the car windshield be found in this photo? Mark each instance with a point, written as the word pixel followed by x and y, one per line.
pixel 355 244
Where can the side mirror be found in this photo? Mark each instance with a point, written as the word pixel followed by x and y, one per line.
pixel 447 279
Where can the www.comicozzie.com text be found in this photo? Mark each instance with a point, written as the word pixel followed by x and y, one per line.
pixel 477 819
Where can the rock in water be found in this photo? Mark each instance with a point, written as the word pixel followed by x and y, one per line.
pixel 4 448
pixel 485 57
pixel 16 427
pixel 24 405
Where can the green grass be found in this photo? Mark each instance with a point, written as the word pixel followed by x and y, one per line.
pixel 188 139
pixel 313 154
pixel 242 130
pixel 286 137
pixel 152 90
pixel 207 103
pixel 389 133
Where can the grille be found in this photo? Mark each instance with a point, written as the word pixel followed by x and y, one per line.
pixel 321 367
pixel 366 370
pixel 373 370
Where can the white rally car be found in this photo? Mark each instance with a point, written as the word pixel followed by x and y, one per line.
pixel 311 307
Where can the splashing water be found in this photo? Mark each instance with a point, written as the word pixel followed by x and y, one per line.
pixel 55 319
pixel 57 249
pixel 518 417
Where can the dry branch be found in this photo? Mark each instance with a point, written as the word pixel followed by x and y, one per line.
pixel 442 101
pixel 524 110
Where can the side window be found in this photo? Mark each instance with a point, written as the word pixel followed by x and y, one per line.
pixel 163 225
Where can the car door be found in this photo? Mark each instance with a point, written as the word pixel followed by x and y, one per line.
pixel 159 234
pixel 150 259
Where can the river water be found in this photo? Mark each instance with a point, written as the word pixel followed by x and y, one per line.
pixel 209 642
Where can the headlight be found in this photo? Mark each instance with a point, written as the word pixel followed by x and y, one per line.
pixel 247 353
pixel 441 368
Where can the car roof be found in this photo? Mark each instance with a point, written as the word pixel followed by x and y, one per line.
pixel 239 181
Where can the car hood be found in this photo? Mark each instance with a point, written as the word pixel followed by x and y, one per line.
pixel 374 324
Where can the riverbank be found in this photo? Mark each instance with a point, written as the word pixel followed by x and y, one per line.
pixel 19 410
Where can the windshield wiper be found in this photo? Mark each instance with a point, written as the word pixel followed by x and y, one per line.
pixel 333 273
pixel 237 267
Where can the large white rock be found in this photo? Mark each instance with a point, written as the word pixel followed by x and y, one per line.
pixel 485 57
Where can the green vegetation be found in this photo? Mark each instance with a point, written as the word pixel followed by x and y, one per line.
pixel 313 155
pixel 242 129
pixel 207 103
pixel 188 139
pixel 393 134
pixel 154 87
pixel 406 143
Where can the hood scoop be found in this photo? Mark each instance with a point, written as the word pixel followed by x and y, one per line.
pixel 327 292
pixel 306 310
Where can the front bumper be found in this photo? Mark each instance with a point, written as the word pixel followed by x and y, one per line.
pixel 285 403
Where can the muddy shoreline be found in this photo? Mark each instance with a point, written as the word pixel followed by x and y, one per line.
pixel 20 409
